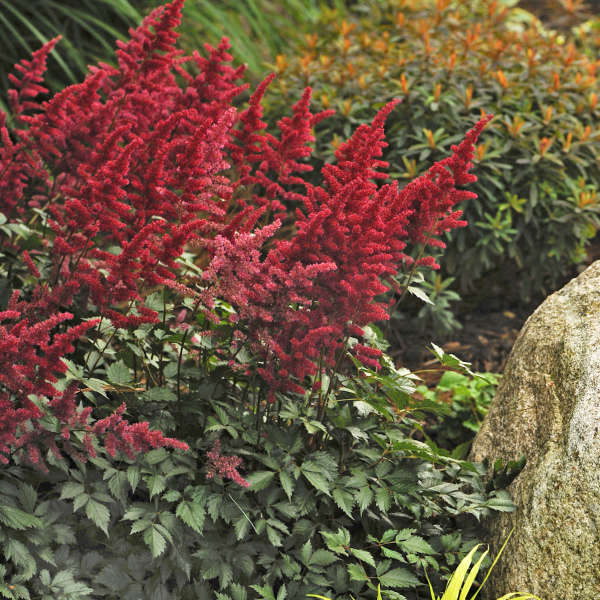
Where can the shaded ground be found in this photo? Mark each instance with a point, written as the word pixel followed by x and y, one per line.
pixel 564 15
pixel 486 338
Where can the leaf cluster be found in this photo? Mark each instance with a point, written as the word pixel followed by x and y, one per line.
pixel 467 400
pixel 340 504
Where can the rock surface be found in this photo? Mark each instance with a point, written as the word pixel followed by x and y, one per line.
pixel 548 408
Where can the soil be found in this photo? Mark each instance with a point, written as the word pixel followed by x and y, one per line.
pixel 557 15
pixel 486 337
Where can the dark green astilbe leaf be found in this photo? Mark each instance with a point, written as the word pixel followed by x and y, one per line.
pixel 17 519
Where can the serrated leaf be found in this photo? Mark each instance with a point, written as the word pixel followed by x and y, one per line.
pixel 98 513
pixel 399 578
pixel 118 373
pixel 323 558
pixel 155 541
pixel 140 525
pixel 404 534
pixel 306 552
pixel 265 591
pixel 383 499
pixel 337 542
pixel 155 456
pixel 273 536
pixel 363 555
pixel 344 500
pixel 416 545
pixel 117 485
pixel 156 484
pixel 45 577
pixel 171 496
pixel 18 519
pixel 71 489
pixel 286 483
pixel 137 512
pixel 63 582
pixel 133 476
pixel 318 481
pixel 163 530
pixel 357 572
pixel 364 498
pixel 27 497
pixel 238 592
pixel 18 553
pixel 96 385
pixel 241 527
pixel 389 553
pixel 192 514
pixel 282 592
pixel 259 480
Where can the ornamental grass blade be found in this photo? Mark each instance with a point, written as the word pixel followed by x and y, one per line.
pixel 430 587
pixel 493 564
pixel 471 577
pixel 456 581
pixel 515 596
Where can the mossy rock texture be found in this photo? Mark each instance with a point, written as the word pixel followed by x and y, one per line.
pixel 548 408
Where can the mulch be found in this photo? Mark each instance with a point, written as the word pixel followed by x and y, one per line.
pixel 486 337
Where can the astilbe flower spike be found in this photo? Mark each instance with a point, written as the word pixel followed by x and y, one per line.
pixel 224 466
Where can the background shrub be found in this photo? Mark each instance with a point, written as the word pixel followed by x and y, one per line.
pixel 538 172
pixel 259 30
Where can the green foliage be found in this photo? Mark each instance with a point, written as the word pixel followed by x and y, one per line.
pixel 88 29
pixel 467 400
pixel 343 497
pixel 538 170
pixel 429 306
pixel 462 579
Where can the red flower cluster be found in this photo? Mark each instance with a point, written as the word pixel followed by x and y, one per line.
pixel 315 290
pixel 224 466
pixel 142 160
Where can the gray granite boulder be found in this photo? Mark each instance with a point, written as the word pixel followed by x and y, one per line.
pixel 548 408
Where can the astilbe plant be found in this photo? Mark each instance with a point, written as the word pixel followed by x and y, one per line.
pixel 142 161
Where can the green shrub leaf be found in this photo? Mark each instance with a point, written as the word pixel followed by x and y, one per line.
pixel 399 578
pixel 259 480
pixel 155 541
pixel 98 513
pixel 18 519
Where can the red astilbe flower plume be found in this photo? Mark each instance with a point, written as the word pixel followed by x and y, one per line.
pixel 224 466
pixel 27 85
pixel 30 363
pixel 136 162
pixel 315 290
pixel 272 163
pixel 432 197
